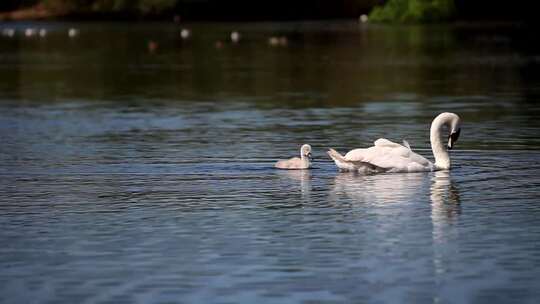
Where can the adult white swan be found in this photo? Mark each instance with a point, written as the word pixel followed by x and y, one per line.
pixel 387 156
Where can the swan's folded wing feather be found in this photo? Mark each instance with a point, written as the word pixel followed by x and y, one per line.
pixel 396 157
pixel 406 144
pixel 390 156
pixel 381 148
pixel 383 142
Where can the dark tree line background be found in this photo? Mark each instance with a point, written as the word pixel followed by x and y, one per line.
pixel 262 9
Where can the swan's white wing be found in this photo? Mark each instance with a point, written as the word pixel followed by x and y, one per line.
pixel 406 144
pixel 391 156
pixel 383 142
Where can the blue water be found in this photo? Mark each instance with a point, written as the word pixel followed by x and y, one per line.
pixel 150 183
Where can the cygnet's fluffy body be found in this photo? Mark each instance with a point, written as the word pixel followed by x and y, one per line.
pixel 302 162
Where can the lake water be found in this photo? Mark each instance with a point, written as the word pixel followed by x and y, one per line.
pixel 129 175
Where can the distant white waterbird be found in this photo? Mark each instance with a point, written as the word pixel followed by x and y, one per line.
pixel 235 37
pixel 387 156
pixel 185 33
pixel 303 162
pixel 42 32
pixel 73 32
pixel 30 32
pixel 273 41
pixel 363 18
pixel 8 32
pixel 278 41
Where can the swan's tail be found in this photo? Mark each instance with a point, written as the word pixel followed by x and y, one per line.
pixel 355 166
pixel 335 155
pixel 340 161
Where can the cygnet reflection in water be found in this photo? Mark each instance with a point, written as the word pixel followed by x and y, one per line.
pixel 298 178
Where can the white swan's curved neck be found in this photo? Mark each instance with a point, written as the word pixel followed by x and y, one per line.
pixel 442 158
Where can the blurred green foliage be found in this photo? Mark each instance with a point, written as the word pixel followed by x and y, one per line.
pixel 414 11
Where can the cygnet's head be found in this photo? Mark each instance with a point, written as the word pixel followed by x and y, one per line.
pixel 306 150
pixel 454 128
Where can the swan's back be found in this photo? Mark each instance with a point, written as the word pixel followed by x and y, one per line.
pixel 391 156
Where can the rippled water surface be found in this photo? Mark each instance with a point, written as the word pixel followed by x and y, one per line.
pixel 135 176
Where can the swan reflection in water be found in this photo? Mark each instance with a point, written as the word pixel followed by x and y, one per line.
pixel 401 195
pixel 404 196
pixel 384 189
pixel 445 205
pixel 380 189
pixel 445 211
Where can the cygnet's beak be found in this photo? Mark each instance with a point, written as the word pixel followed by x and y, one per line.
pixel 310 156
